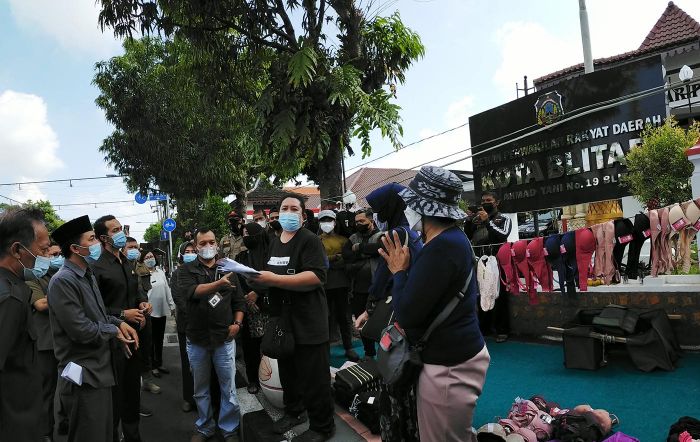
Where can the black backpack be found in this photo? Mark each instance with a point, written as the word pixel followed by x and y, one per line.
pixel 571 427
pixel 686 423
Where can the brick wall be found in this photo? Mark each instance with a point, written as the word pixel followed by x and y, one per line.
pixel 554 309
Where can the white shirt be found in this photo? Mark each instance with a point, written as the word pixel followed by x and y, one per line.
pixel 159 296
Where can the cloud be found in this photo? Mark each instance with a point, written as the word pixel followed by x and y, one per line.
pixel 28 144
pixel 72 24
pixel 522 53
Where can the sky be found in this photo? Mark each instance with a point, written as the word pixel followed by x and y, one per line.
pixel 50 127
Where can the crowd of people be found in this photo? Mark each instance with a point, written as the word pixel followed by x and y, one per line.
pixel 85 308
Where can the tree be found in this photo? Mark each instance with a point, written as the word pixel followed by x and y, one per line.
pixel 152 233
pixel 170 133
pixel 211 212
pixel 659 170
pixel 316 94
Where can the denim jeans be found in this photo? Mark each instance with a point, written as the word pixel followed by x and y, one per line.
pixel 224 359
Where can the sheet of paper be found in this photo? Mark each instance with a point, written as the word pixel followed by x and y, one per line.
pixel 73 373
pixel 229 265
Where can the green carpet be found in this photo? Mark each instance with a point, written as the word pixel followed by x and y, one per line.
pixel 646 403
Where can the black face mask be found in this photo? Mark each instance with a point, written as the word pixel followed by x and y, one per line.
pixel 488 207
pixel 362 228
pixel 235 226
pixel 276 225
pixel 251 242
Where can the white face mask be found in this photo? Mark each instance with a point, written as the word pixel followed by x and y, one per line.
pixel 207 252
pixel 415 219
pixel 262 223
pixel 327 227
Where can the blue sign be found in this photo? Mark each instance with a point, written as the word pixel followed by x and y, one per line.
pixel 169 225
pixel 140 198
pixel 163 235
pixel 157 197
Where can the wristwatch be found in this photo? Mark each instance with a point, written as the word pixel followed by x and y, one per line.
pixel 238 323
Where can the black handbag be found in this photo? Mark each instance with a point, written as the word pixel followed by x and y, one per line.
pixel 278 340
pixel 355 379
pixel 381 318
pixel 400 362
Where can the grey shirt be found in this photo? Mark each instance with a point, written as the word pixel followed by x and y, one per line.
pixel 82 329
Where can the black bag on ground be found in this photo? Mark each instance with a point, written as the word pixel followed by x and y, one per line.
pixel 616 320
pixel 686 423
pixel 278 340
pixel 256 426
pixel 571 427
pixel 580 350
pixel 367 404
pixel 354 380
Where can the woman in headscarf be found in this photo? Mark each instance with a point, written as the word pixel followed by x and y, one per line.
pixel 257 244
pixel 398 418
pixel 440 278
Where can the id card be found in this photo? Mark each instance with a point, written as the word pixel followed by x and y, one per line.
pixel 214 300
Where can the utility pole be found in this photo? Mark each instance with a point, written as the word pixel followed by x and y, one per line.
pixel 526 90
pixel 170 236
pixel 585 37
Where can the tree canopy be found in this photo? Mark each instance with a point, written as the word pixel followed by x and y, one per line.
pixel 314 72
pixel 53 221
pixel 659 170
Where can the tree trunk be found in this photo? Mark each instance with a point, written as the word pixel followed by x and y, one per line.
pixel 329 175
pixel 240 205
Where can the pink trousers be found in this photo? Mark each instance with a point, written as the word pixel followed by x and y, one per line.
pixel 447 397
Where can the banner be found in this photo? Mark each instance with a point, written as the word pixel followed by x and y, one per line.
pixel 576 161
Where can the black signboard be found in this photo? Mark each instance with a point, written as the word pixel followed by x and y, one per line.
pixel 569 162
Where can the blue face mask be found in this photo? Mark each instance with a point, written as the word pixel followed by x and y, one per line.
pixel 133 254
pixel 290 222
pixel 189 257
pixel 41 266
pixel 119 239
pixel 57 262
pixel 95 251
pixel 150 263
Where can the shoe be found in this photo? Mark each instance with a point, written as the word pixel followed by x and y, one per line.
pixel 199 437
pixel 351 355
pixel 151 387
pixel 232 438
pixel 163 370
pixel 501 338
pixel 313 436
pixel 187 407
pixel 288 422
pixel 155 372
pixel 253 388
pixel 63 428
pixel 145 412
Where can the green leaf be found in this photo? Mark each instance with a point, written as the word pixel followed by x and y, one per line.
pixel 302 66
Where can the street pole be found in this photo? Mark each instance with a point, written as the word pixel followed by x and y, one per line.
pixel 170 236
pixel 585 37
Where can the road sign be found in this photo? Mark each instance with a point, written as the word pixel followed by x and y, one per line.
pixel 157 197
pixel 140 198
pixel 169 225
pixel 164 235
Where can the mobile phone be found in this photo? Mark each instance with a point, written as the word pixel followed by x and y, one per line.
pixel 474 209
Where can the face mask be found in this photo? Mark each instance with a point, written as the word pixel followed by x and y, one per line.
pixel 119 240
pixel 57 262
pixel 327 227
pixel 235 226
pixel 150 263
pixel 415 219
pixel 290 222
pixel 41 266
pixel 189 257
pixel 381 225
pixel 362 228
pixel 250 241
pixel 276 225
pixel 133 254
pixel 262 223
pixel 488 207
pixel 207 253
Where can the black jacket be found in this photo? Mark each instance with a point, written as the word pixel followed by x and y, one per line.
pixel 207 326
pixel 497 228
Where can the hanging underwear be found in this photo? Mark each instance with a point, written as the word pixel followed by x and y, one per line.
pixel 677 238
pixel 524 270
pixel 568 242
pixel 552 247
pixel 585 247
pixel 665 256
pixel 692 214
pixel 655 226
pixel 641 233
pixel 508 270
pixel 538 264
pixel 624 235
pixel 605 241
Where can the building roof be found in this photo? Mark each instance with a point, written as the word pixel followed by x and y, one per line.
pixel 366 179
pixel 674 28
pixel 311 193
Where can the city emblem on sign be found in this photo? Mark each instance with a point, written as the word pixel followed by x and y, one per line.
pixel 549 108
